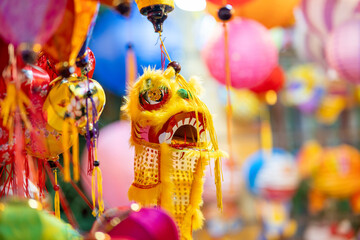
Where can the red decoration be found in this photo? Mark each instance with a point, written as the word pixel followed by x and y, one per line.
pixel 46 62
pixel 274 82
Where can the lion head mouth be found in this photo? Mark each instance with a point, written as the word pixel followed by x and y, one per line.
pixel 182 130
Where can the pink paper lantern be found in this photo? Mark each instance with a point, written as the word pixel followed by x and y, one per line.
pixel 253 55
pixel 343 48
pixel 116 163
pixel 34 21
pixel 148 223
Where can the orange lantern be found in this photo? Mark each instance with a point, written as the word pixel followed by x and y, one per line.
pixel 269 13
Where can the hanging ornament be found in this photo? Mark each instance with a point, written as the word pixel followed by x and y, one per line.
pixel 27 24
pixel 71 106
pixel 46 62
pixel 156 11
pixel 170 126
pixel 69 37
pixel 250 62
pixel 342 48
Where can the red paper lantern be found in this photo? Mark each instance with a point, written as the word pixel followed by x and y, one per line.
pixel 274 82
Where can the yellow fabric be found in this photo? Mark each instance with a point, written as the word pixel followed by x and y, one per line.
pixel 145 3
pixel 97 171
pixel 179 183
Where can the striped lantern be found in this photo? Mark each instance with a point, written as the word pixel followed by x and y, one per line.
pixel 343 49
pixel 322 16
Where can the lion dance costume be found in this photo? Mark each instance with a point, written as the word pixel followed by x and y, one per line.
pixel 170 132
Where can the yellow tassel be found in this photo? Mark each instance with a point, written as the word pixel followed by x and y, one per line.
pixel 75 153
pixel 131 69
pixel 93 192
pixel 66 154
pixel 100 200
pixel 56 198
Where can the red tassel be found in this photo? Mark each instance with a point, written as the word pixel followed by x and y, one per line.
pixel 41 178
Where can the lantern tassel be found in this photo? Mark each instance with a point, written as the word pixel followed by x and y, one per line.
pixel 56 197
pixel 66 154
pixel 75 154
pixel 130 66
pixel 100 200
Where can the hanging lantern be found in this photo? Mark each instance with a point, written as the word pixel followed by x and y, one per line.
pixel 272 176
pixel 69 37
pixel 169 129
pixel 336 176
pixel 156 11
pixel 26 24
pixel 323 16
pixel 67 98
pixel 274 82
pixel 342 48
pixel 252 54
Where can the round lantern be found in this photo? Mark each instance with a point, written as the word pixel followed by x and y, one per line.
pixel 322 16
pixel 274 82
pixel 42 141
pixel 271 14
pixel 338 172
pixel 272 175
pixel 342 50
pixel 252 54
pixel 69 97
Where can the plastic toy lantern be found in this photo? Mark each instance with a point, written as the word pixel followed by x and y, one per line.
pixel 253 55
pixel 273 177
pixel 337 175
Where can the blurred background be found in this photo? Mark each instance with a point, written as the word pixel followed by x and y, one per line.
pixel 294 64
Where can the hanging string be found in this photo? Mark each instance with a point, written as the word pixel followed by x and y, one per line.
pixel 64 203
pixel 228 88
pixel 56 197
pixel 164 53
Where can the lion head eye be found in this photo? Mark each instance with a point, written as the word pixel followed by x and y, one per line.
pixel 154 98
